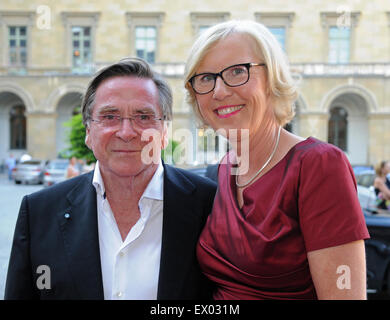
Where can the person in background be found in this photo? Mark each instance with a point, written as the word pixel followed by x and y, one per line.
pixel 286 215
pixel 73 168
pixel 382 185
pixel 10 163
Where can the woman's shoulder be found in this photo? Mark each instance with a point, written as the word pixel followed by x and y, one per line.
pixel 378 182
pixel 313 148
pixel 314 155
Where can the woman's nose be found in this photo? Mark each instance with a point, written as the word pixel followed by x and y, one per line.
pixel 221 90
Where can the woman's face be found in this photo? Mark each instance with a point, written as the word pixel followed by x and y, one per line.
pixel 243 107
pixel 386 168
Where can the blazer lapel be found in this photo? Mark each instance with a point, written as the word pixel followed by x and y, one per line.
pixel 179 234
pixel 79 228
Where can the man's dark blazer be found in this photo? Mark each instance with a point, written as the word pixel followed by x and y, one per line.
pixel 57 227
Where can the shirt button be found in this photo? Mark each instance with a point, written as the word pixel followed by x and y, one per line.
pixel 121 253
pixel 119 294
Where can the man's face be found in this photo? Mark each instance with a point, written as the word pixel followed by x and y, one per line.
pixel 118 148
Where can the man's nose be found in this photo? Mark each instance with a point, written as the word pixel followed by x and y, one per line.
pixel 126 130
pixel 221 89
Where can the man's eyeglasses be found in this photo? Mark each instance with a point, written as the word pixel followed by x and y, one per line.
pixel 232 76
pixel 143 121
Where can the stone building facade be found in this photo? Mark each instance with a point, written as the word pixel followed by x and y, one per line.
pixel 339 53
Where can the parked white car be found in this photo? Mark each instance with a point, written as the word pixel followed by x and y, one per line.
pixel 30 171
pixel 55 171
pixel 365 188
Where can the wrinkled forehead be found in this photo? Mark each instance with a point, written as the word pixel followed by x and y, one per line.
pixel 127 94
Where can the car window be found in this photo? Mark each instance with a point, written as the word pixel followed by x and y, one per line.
pixel 366 180
pixel 31 162
pixel 58 165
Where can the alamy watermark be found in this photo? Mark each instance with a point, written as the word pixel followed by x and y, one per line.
pixel 185 152
pixel 344 280
pixel 44 278
pixel 43 17
pixel 344 17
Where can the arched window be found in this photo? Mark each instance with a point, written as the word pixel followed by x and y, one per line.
pixel 338 127
pixel 18 127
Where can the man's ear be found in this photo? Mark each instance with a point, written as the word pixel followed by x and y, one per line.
pixel 87 138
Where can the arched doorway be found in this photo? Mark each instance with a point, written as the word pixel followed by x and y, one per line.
pixel 348 126
pixel 13 124
pixel 338 127
pixel 17 123
pixel 67 106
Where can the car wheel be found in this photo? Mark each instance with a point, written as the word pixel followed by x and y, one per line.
pixel 17 182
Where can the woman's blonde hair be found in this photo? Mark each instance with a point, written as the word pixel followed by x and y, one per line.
pixel 379 167
pixel 280 83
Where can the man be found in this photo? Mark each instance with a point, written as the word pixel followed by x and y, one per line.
pixel 127 230
pixel 10 162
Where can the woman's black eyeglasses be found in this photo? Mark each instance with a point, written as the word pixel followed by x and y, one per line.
pixel 232 76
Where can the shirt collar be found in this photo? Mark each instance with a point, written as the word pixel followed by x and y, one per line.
pixel 98 182
pixel 154 189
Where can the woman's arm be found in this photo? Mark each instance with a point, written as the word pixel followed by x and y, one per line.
pixel 339 272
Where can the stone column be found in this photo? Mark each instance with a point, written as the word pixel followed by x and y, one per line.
pixel 379 138
pixel 41 135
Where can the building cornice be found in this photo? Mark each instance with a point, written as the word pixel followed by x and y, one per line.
pixel 11 15
pixel 340 18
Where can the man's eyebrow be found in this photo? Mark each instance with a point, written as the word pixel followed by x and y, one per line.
pixel 114 109
pixel 108 109
pixel 145 110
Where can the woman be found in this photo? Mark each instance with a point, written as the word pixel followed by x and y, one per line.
pixel 72 170
pixel 382 185
pixel 289 224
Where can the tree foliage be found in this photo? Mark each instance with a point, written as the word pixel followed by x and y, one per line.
pixel 76 138
pixel 167 154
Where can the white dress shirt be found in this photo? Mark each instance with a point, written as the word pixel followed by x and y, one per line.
pixel 130 268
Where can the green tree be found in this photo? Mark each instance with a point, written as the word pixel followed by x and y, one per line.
pixel 76 138
pixel 167 154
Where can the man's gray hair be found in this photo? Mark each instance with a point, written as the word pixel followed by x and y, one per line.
pixel 127 67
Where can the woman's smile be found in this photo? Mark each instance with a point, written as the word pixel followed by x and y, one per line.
pixel 228 111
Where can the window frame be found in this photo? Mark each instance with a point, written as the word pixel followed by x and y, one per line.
pixel 330 19
pixel 146 40
pixel 18 48
pixel 278 20
pixel 16 19
pixel 80 19
pixel 339 40
pixel 144 19
pixel 206 19
pixel 81 48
